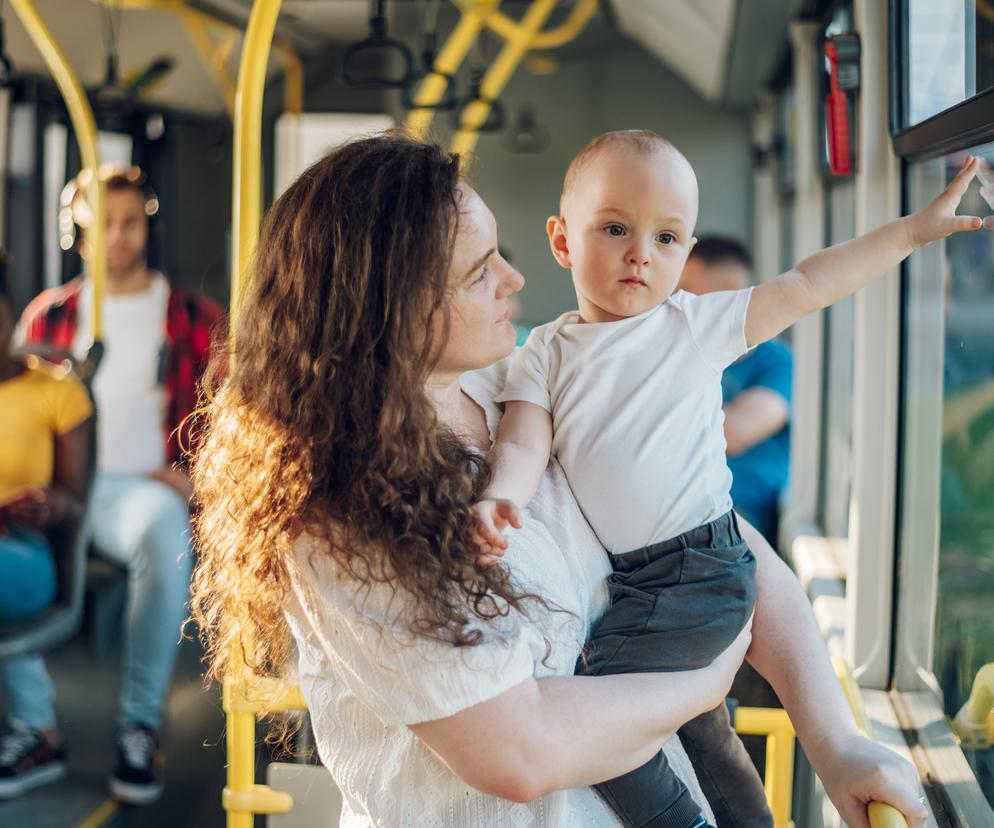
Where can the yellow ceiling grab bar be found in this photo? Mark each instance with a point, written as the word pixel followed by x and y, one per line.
pixel 199 23
pixel 498 74
pixel 457 45
pixel 507 28
pixel 85 127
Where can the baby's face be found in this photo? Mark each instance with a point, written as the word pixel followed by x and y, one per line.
pixel 629 222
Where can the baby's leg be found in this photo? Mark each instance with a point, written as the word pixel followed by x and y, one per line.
pixel 726 773
pixel 651 796
pixel 675 606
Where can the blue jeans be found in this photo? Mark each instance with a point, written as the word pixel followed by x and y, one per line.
pixel 144 526
pixel 27 575
pixel 27 587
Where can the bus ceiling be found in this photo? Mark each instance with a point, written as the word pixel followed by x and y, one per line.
pixel 723 49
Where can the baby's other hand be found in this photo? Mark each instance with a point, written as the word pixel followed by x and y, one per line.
pixel 492 517
pixel 939 220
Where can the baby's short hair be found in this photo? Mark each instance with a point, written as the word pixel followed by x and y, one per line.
pixel 639 141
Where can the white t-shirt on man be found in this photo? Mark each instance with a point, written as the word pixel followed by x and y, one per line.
pixel 128 387
pixel 636 409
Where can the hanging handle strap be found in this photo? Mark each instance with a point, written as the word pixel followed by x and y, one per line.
pixel 378 43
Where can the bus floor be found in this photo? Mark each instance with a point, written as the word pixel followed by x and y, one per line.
pixel 192 741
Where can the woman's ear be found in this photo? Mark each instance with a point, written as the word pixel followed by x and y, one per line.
pixel 555 227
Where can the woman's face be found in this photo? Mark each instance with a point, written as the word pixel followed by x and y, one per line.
pixel 481 283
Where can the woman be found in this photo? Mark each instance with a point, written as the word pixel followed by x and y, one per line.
pixel 45 427
pixel 335 481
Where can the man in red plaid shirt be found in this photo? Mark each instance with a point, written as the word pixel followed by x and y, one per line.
pixel 157 341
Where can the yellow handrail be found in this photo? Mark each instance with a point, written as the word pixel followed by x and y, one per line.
pixel 879 814
pixel 85 128
pixel 242 798
pixel 974 723
pixel 778 780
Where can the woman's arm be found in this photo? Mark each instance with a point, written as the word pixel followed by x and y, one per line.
pixel 63 499
pixel 564 732
pixel 788 650
pixel 753 416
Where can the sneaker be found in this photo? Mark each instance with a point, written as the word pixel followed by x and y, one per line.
pixel 138 777
pixel 28 759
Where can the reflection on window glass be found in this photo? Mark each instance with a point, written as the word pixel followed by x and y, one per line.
pixel 963 284
pixel 949 54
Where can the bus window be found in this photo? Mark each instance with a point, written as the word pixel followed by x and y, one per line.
pixel 946 56
pixel 948 455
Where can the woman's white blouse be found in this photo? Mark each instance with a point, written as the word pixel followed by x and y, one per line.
pixel 366 678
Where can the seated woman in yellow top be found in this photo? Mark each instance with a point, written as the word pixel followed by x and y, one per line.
pixel 43 470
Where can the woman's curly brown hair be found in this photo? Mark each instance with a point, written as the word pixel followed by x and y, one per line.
pixel 323 425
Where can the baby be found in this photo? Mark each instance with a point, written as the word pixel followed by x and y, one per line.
pixel 626 392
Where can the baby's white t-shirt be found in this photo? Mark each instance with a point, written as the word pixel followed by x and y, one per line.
pixel 636 411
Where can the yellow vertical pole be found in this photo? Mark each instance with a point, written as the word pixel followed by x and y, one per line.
pixel 499 73
pixel 85 128
pixel 246 202
pixel 293 78
pixel 246 206
pixel 240 748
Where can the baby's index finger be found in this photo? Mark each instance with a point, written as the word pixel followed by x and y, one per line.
pixel 961 181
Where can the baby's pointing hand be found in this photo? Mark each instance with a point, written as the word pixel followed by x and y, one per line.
pixel 939 220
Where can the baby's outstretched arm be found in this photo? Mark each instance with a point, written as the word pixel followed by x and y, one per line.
pixel 519 458
pixel 836 272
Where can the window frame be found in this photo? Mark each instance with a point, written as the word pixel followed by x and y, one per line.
pixel 963 125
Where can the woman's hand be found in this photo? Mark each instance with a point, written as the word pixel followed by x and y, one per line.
pixel 40 507
pixel 177 480
pixel 859 771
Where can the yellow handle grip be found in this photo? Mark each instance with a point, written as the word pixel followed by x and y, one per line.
pixel 885 816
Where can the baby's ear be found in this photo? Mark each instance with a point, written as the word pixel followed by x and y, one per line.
pixel 555 227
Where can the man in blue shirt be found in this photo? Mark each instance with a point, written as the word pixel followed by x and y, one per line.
pixel 756 392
